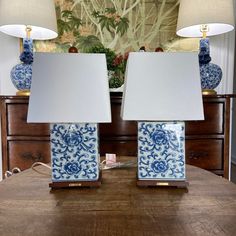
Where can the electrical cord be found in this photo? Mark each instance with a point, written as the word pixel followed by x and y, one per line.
pixel 103 166
pixel 41 164
pixel 9 173
pixel 112 165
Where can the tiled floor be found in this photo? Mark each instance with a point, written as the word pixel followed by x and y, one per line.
pixel 233 173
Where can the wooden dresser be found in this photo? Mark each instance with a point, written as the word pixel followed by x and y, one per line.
pixel 207 142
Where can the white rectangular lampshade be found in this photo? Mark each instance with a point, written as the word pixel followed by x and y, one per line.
pixel 69 88
pixel 162 87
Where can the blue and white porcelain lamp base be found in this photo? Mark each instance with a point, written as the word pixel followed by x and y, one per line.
pixel 210 73
pixel 161 154
pixel 21 74
pixel 75 156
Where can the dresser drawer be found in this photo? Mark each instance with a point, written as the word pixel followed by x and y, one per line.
pixel 17 122
pixel 213 123
pixel 23 154
pixel 205 153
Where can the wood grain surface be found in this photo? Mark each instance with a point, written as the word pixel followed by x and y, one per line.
pixel 118 207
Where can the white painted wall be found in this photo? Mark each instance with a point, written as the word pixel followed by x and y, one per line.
pixel 234 117
pixel 233 130
pixel 222 54
pixel 9 56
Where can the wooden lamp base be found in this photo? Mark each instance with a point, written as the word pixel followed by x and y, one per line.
pixel 77 184
pixel 162 183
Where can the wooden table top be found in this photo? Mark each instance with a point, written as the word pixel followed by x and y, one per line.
pixel 118 207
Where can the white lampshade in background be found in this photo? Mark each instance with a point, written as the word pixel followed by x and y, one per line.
pixel 162 87
pixel 217 14
pixel 40 15
pixel 69 88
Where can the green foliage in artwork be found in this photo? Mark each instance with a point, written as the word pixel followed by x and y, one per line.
pixel 75 23
pixel 102 26
pixel 122 25
pixel 106 22
pixel 62 27
pixel 110 10
pixel 88 43
pixel 112 21
pixel 68 22
pixel 150 23
pixel 67 14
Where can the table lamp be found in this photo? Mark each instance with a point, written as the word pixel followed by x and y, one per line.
pixel 161 91
pixel 71 93
pixel 27 19
pixel 202 18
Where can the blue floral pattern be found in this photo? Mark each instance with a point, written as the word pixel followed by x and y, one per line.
pixel 160 166
pixel 72 168
pixel 211 74
pixel 74 152
pixel 21 74
pixel 161 150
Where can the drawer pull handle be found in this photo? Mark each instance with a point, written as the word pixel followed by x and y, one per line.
pixel 30 156
pixel 197 155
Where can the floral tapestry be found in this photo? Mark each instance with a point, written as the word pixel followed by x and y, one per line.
pixel 116 28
